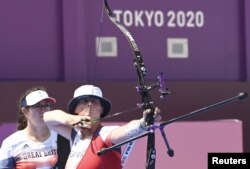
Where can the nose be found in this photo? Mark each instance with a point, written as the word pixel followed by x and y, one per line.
pixel 45 109
pixel 90 103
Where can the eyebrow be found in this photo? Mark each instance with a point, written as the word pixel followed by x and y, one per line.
pixel 89 99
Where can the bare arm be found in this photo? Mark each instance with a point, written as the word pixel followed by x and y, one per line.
pixel 133 128
pixel 62 122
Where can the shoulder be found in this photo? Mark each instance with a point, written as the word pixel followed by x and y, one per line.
pixel 10 143
pixel 52 139
pixel 106 131
pixel 14 138
pixel 53 134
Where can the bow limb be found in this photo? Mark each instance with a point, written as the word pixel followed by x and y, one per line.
pixel 138 61
pixel 147 102
pixel 135 48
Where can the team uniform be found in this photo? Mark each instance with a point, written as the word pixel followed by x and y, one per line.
pixel 83 153
pixel 18 152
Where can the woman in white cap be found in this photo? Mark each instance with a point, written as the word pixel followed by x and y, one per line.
pixel 87 136
pixel 33 146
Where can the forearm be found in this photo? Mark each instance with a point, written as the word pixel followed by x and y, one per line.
pixel 57 117
pixel 133 128
pixel 125 132
pixel 60 122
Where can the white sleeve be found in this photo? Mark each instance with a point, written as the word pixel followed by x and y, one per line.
pixel 6 159
pixel 106 130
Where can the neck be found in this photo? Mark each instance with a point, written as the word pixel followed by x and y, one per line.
pixel 85 133
pixel 38 133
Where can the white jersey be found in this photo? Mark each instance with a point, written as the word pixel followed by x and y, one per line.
pixel 17 151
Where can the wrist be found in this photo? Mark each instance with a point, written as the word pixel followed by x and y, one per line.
pixel 143 123
pixel 135 128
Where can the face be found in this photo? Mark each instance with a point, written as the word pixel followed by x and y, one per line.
pixel 34 113
pixel 89 107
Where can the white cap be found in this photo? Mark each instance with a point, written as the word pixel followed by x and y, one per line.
pixel 89 91
pixel 35 97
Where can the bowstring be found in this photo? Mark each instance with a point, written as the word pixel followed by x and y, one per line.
pixel 96 64
pixel 129 146
pixel 98 44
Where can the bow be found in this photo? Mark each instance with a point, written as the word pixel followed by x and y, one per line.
pixel 142 88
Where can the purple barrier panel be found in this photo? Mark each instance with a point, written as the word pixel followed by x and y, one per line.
pixel 191 142
pixel 6 129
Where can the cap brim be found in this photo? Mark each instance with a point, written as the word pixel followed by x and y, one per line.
pixel 50 99
pixel 104 102
pixel 25 104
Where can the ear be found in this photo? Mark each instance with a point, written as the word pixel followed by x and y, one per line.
pixel 24 111
pixel 102 108
pixel 102 111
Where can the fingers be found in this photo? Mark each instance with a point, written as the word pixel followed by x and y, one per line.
pixel 146 112
pixel 82 122
pixel 156 112
pixel 157 116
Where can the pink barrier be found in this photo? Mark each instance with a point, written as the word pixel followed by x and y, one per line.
pixel 191 142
